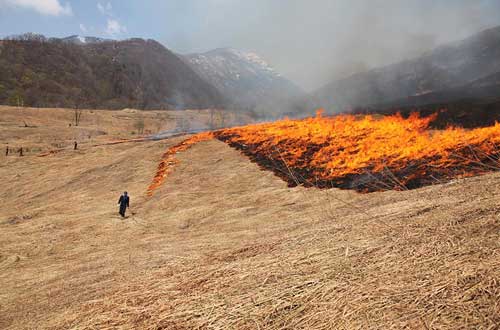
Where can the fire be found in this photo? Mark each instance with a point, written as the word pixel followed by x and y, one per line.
pixel 168 162
pixel 368 153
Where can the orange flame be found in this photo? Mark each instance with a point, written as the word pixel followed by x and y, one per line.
pixel 365 153
pixel 168 162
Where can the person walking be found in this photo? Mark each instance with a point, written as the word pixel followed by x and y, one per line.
pixel 124 203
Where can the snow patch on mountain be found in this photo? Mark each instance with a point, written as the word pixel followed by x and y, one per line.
pixel 244 77
pixel 254 59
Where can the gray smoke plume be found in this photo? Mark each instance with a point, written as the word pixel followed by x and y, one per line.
pixel 315 41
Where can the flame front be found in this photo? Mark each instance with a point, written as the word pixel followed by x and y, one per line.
pixel 366 153
pixel 168 161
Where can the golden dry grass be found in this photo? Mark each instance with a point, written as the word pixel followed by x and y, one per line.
pixel 50 129
pixel 224 245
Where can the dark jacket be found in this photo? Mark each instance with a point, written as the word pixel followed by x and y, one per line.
pixel 124 201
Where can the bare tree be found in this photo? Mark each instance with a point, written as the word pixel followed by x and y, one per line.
pixel 139 125
pixel 78 115
pixel 20 101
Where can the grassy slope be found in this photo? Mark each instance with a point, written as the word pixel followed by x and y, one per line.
pixel 225 245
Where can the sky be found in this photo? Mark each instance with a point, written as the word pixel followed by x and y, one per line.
pixel 310 42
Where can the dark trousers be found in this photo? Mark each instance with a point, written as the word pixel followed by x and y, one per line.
pixel 123 208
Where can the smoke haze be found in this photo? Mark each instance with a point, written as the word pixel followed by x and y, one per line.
pixel 314 42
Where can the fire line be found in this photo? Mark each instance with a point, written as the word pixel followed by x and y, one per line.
pixel 364 153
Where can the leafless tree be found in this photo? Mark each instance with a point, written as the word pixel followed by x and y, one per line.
pixel 139 125
pixel 20 101
pixel 78 115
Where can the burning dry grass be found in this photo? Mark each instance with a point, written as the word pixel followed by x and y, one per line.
pixel 417 259
pixel 365 154
pixel 225 245
pixel 169 160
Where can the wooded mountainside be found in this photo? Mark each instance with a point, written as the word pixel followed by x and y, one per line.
pixel 134 73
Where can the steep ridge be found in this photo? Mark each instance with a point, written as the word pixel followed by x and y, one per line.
pixel 96 73
pixel 248 81
pixel 439 76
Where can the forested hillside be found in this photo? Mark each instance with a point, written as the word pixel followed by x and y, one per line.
pixel 133 73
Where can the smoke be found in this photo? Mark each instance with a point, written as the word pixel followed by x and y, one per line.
pixel 314 42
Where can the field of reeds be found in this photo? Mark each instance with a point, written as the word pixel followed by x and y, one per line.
pixel 223 244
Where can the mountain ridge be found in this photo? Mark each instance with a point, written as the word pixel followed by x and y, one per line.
pixel 65 72
pixel 446 67
pixel 247 80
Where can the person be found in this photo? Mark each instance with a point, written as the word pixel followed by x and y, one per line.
pixel 75 146
pixel 124 202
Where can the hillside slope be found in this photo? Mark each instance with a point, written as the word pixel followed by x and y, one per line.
pixel 224 245
pixel 133 73
pixel 246 80
pixel 438 76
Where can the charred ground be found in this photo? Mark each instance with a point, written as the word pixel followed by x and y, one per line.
pixel 223 244
pixel 367 153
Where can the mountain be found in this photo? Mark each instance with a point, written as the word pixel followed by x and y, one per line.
pixel 246 80
pixel 96 73
pixel 468 69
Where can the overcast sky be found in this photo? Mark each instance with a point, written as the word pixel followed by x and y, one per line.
pixel 308 41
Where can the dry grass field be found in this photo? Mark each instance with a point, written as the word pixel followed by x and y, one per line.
pixel 225 245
